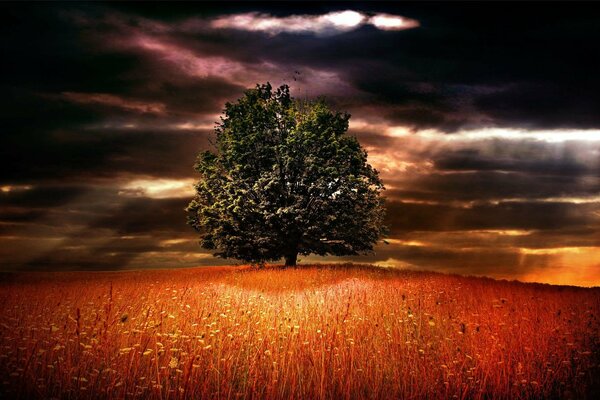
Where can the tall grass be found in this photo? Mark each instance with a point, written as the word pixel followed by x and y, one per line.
pixel 307 333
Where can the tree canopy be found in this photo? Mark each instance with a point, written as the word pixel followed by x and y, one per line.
pixel 284 178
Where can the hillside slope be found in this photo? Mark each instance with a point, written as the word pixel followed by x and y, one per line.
pixel 312 332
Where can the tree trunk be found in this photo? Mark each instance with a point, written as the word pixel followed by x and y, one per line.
pixel 290 259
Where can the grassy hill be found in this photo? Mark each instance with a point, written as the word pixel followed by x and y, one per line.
pixel 309 333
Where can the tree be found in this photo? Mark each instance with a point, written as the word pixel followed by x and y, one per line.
pixel 285 179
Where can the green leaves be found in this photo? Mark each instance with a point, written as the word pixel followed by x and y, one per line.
pixel 284 178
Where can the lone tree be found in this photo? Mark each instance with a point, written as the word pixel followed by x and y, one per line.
pixel 284 179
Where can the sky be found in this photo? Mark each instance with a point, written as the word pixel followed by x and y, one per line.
pixel 481 118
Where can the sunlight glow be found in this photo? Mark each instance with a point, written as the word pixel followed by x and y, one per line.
pixel 507 232
pixel 554 250
pixel 172 242
pixel 563 199
pixel 550 136
pixel 193 126
pixel 568 266
pixel 394 263
pixel 14 188
pixel 345 19
pixel 391 22
pixel 391 165
pixel 158 188
pixel 406 242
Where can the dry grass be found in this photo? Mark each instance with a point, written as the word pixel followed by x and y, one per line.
pixel 307 333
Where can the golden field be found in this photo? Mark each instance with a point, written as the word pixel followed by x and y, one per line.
pixel 314 332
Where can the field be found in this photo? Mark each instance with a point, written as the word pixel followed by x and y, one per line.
pixel 328 332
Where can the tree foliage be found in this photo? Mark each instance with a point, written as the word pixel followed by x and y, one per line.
pixel 285 179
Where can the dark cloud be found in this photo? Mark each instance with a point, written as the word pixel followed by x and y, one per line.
pixel 544 105
pixel 405 217
pixel 461 67
pixel 39 197
pixel 89 227
pixel 469 160
pixel 139 216
pixel 84 153
pixel 51 132
pixel 491 186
